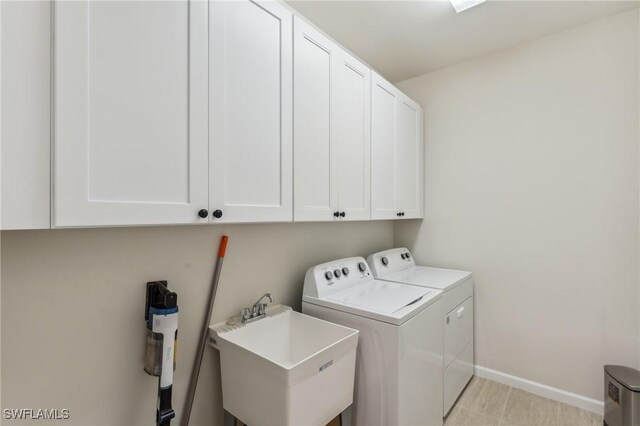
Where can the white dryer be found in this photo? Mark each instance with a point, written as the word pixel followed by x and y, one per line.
pixel 399 355
pixel 397 265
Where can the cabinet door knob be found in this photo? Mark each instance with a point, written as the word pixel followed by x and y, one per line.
pixel 336 214
pixel 342 214
pixel 398 214
pixel 217 214
pixel 203 213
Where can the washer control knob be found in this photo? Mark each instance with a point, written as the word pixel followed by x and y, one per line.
pixel 362 267
pixel 328 275
pixel 402 255
pixel 337 273
pixel 345 271
pixel 407 256
pixel 384 260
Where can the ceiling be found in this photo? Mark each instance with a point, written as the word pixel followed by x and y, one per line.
pixel 403 39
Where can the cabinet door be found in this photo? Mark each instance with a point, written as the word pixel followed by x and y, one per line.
pixel 409 158
pixel 315 180
pixel 250 69
pixel 130 129
pixel 353 137
pixel 26 127
pixel 383 141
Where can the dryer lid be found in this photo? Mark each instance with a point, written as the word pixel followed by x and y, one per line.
pixel 442 279
pixel 380 296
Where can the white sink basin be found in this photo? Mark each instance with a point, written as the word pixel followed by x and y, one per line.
pixel 285 369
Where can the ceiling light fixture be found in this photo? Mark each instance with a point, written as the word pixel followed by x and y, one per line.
pixel 462 5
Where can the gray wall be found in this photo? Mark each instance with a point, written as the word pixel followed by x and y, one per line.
pixel 531 181
pixel 73 332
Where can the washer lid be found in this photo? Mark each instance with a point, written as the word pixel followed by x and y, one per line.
pixel 380 296
pixel 388 302
pixel 442 279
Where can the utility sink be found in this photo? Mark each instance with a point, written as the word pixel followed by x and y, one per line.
pixel 285 369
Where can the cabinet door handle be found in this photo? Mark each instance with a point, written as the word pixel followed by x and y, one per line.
pixel 217 214
pixel 342 214
pixel 203 213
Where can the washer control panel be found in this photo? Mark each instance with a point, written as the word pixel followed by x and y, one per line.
pixel 327 278
pixel 390 261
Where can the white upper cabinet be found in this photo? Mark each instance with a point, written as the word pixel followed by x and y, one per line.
pixel 409 159
pixel 250 117
pixel 315 180
pixel 130 108
pixel 26 126
pixel 383 145
pixel 397 153
pixel 353 135
pixel 331 130
pixel 191 111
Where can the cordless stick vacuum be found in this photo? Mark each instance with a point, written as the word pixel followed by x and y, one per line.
pixel 161 314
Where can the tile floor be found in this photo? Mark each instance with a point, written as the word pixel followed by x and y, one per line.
pixel 485 402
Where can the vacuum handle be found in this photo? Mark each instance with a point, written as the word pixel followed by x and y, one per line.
pixel 159 296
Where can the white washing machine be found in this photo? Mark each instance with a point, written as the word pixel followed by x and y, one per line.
pixel 397 265
pixel 399 355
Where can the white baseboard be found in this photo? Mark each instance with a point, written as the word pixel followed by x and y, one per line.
pixel 539 389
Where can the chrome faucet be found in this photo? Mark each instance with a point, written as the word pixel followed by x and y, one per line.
pixel 257 311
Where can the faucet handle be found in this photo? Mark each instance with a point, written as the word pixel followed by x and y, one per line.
pixel 262 308
pixel 246 313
